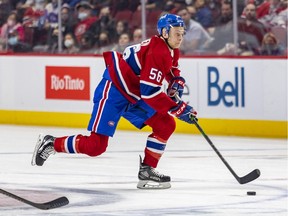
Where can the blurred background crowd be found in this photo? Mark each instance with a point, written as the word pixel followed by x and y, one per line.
pixel 95 26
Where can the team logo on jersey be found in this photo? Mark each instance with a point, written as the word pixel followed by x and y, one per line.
pixel 111 123
pixel 67 83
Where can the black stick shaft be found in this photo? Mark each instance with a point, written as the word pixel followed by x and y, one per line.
pixel 216 150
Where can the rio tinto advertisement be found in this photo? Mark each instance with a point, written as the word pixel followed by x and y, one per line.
pixel 71 83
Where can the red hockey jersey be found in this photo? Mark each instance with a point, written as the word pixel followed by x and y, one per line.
pixel 83 26
pixel 140 71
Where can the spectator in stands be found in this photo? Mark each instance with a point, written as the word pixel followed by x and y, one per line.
pixel 12 35
pixel 196 36
pixel 137 36
pixel 17 46
pixel 192 11
pixel 104 23
pixel 104 43
pixel 279 25
pixel 120 28
pixel 52 25
pixel 270 46
pixel 68 23
pixel 177 5
pixel 86 45
pixel 226 14
pixel 20 9
pixel 215 8
pixel 104 39
pixel 70 46
pixel 52 13
pixel 203 14
pixel 250 30
pixel 123 42
pixel 36 24
pixel 68 19
pixel 12 25
pixel 222 33
pixel 268 10
pixel 281 19
pixel 86 25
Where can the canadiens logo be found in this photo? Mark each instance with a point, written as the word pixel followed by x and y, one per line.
pixel 111 123
pixel 80 29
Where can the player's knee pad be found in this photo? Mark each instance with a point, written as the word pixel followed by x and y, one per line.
pixel 163 125
pixel 167 127
pixel 97 144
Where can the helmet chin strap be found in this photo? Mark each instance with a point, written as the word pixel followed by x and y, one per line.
pixel 166 40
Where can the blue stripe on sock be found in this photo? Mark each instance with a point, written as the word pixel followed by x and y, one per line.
pixel 70 144
pixel 154 145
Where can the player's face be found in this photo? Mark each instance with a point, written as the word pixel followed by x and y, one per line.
pixel 176 37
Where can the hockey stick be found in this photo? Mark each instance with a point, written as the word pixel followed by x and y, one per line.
pixel 242 180
pixel 59 202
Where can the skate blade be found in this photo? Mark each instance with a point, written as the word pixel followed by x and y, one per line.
pixel 39 141
pixel 148 185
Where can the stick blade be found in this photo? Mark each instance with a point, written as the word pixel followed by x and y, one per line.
pixel 59 202
pixel 56 203
pixel 250 176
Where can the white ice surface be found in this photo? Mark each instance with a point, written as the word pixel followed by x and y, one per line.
pixel 106 185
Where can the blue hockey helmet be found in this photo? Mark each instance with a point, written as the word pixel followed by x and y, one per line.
pixel 169 20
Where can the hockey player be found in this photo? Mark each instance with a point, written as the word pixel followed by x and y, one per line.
pixel 131 87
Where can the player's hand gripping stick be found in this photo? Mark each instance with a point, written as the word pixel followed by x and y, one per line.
pixel 176 87
pixel 184 112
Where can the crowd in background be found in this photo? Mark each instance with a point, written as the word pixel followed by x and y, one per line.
pixel 95 26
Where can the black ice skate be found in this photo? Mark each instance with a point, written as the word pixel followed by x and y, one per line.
pixel 149 178
pixel 43 149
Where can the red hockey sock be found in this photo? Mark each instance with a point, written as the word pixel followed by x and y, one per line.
pixel 155 147
pixel 92 145
pixel 163 126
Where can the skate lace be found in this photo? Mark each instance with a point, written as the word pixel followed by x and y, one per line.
pixel 156 173
pixel 47 152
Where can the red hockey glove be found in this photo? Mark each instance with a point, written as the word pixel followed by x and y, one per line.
pixel 176 86
pixel 184 112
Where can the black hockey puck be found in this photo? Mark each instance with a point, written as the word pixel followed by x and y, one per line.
pixel 251 193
